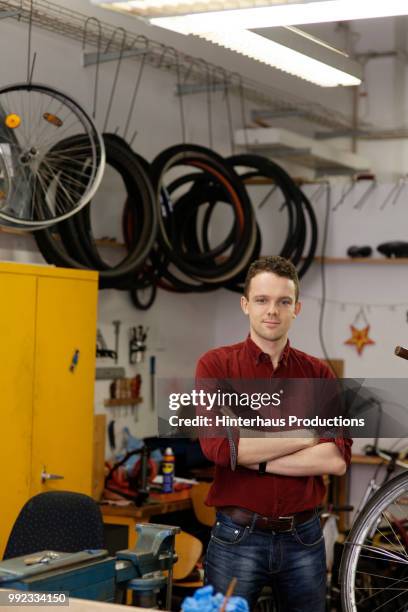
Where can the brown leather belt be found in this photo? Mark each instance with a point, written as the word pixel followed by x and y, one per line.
pixel 266 523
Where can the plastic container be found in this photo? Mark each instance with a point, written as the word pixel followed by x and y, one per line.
pixel 205 601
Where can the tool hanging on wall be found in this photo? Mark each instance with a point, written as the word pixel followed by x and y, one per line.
pixel 152 382
pixel 137 344
pixel 102 348
pixel 116 325
pixel 112 437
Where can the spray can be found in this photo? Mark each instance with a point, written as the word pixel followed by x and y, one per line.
pixel 168 470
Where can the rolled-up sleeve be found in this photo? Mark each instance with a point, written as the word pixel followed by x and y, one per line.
pixel 222 451
pixel 344 446
pixel 217 450
pixel 334 407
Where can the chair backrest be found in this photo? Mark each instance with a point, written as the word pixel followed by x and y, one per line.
pixel 189 550
pixel 56 520
pixel 204 514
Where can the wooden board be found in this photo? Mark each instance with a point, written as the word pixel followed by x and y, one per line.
pixel 337 365
pixel 98 471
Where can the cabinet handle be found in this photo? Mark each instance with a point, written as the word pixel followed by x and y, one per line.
pixel 46 476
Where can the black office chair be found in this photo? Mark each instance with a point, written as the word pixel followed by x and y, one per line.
pixel 56 520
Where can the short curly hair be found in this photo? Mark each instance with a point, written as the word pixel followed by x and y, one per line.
pixel 276 264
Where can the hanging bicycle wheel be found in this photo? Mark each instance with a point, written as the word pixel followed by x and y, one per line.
pixel 374 567
pixel 52 156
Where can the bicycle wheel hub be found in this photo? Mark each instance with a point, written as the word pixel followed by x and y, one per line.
pixel 28 156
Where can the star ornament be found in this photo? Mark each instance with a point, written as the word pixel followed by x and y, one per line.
pixel 359 338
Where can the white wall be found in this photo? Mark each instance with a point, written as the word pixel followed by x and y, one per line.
pixel 182 327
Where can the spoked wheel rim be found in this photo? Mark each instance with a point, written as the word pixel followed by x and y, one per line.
pixel 374 569
pixel 48 143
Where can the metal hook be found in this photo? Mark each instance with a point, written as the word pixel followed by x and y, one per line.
pixel 242 105
pixel 222 72
pixel 118 65
pixel 266 198
pixel 345 194
pixel 30 29
pixel 360 203
pixel 98 56
pixel 192 61
pixel 389 196
pixel 137 83
pixel 201 63
pixel 113 36
pixel 226 83
pixel 318 193
pixel 209 100
pixel 402 185
pixel 166 50
pixel 176 56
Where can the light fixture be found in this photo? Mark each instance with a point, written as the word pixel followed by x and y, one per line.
pixel 288 51
pixel 209 15
pixel 285 48
pixel 149 8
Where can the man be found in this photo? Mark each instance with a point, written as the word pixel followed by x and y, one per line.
pixel 267 490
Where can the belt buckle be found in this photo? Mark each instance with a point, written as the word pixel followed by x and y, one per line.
pixel 292 522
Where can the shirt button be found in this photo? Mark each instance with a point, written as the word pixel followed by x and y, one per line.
pixel 236 531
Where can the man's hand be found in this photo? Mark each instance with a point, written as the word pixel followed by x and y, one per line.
pixel 257 450
pixel 324 458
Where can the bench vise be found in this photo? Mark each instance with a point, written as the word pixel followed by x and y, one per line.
pixel 92 574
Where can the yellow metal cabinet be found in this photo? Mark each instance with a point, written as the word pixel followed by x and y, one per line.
pixel 47 351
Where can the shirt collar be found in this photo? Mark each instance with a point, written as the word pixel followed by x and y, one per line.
pixel 258 354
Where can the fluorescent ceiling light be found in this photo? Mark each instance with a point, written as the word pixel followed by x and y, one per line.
pixel 146 8
pixel 269 52
pixel 284 48
pixel 207 15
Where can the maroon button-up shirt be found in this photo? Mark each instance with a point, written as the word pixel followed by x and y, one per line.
pixel 234 485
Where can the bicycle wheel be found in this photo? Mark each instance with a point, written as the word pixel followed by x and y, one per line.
pixel 48 145
pixel 374 567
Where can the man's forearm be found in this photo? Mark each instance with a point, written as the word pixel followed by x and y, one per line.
pixel 257 450
pixel 321 459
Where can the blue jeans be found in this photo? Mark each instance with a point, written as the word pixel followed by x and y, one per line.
pixel 292 563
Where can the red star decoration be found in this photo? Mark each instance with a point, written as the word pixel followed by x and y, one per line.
pixel 359 337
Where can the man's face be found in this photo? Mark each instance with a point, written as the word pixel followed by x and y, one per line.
pixel 271 306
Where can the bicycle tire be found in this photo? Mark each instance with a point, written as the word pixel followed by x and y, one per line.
pixel 358 534
pixel 121 275
pixel 76 233
pixel 36 158
pixel 210 162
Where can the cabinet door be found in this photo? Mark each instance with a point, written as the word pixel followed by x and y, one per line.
pixel 17 325
pixel 63 397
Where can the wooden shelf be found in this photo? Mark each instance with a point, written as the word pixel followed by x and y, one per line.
pixel 123 401
pixel 299 180
pixel 100 242
pixel 366 460
pixel 373 261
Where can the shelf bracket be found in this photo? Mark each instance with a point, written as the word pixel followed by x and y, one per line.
pixel 89 59
pixel 264 115
pixel 271 152
pixel 188 89
pixel 5 14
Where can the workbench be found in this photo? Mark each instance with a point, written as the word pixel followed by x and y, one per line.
pixel 131 515
pixel 85 605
